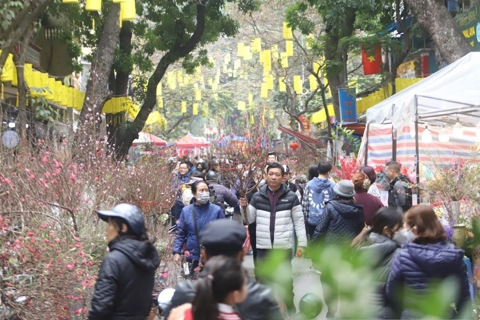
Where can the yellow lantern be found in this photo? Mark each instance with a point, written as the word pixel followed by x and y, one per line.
pixel 297 84
pixel 93 5
pixel 128 10
pixel 28 74
pixel 35 88
pixel 44 84
pixel 195 109
pixel 118 1
pixel 70 1
pixel 184 107
pixel 57 91
pixel 8 69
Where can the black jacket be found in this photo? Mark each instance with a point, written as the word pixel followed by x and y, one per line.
pixel 259 305
pixel 339 222
pixel 125 282
pixel 381 251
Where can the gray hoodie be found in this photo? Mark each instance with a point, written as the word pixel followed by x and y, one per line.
pixel 317 192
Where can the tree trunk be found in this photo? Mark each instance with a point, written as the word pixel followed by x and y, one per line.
pixel 436 21
pixel 19 27
pixel 130 131
pixel 119 83
pixel 338 55
pixel 19 60
pixel 89 121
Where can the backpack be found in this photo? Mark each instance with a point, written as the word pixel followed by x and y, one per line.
pixel 392 195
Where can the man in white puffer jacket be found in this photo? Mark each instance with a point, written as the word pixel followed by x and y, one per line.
pixel 277 213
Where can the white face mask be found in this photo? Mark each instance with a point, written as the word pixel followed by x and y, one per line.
pixel 401 237
pixel 203 197
pixel 410 236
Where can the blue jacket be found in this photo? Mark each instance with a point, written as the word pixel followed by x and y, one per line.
pixel 416 266
pixel 185 234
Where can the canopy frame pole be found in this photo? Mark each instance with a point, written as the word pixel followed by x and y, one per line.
pixel 394 138
pixel 417 149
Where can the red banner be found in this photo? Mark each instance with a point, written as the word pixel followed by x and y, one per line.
pixel 372 61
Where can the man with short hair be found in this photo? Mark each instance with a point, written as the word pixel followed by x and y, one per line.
pixel 397 191
pixel 226 237
pixel 318 191
pixel 277 213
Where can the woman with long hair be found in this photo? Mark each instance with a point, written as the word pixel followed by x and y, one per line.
pixel 427 260
pixel 125 282
pixel 380 243
pixel 223 285
pixel 192 220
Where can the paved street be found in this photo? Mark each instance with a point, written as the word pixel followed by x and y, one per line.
pixel 305 281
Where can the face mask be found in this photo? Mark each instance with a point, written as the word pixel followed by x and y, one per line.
pixel 203 197
pixel 410 235
pixel 401 237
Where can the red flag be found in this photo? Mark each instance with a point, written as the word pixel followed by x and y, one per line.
pixel 372 60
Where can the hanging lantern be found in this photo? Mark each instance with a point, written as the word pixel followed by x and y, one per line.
pixel 294 145
pixel 118 1
pixel 70 1
pixel 127 10
pixel 443 135
pixel 93 5
pixel 426 135
pixel 458 129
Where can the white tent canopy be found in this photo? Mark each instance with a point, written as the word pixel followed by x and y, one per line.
pixel 450 93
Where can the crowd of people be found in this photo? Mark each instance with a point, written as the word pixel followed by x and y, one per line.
pixel 406 242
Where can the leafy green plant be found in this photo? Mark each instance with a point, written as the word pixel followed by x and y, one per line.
pixel 350 142
pixel 44 112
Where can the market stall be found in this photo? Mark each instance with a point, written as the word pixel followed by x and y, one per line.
pixel 189 144
pixel 433 120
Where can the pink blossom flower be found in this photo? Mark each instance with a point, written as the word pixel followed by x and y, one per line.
pixel 78 245
pixel 70 267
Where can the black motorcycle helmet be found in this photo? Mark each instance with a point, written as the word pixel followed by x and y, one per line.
pixel 132 215
pixel 211 176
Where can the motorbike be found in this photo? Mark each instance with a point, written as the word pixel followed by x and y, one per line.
pixel 163 301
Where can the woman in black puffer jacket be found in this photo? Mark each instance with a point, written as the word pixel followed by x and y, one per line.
pixel 427 260
pixel 380 243
pixel 341 221
pixel 125 282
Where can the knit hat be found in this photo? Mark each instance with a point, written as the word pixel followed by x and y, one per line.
pixel 344 189
pixel 371 174
pixel 360 181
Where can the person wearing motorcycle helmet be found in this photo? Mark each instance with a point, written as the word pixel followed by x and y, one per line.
pixel 222 194
pixel 125 281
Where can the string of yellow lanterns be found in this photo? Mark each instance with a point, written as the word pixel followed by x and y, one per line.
pixel 127 7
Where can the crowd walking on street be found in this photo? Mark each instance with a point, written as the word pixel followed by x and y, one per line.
pixel 288 216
